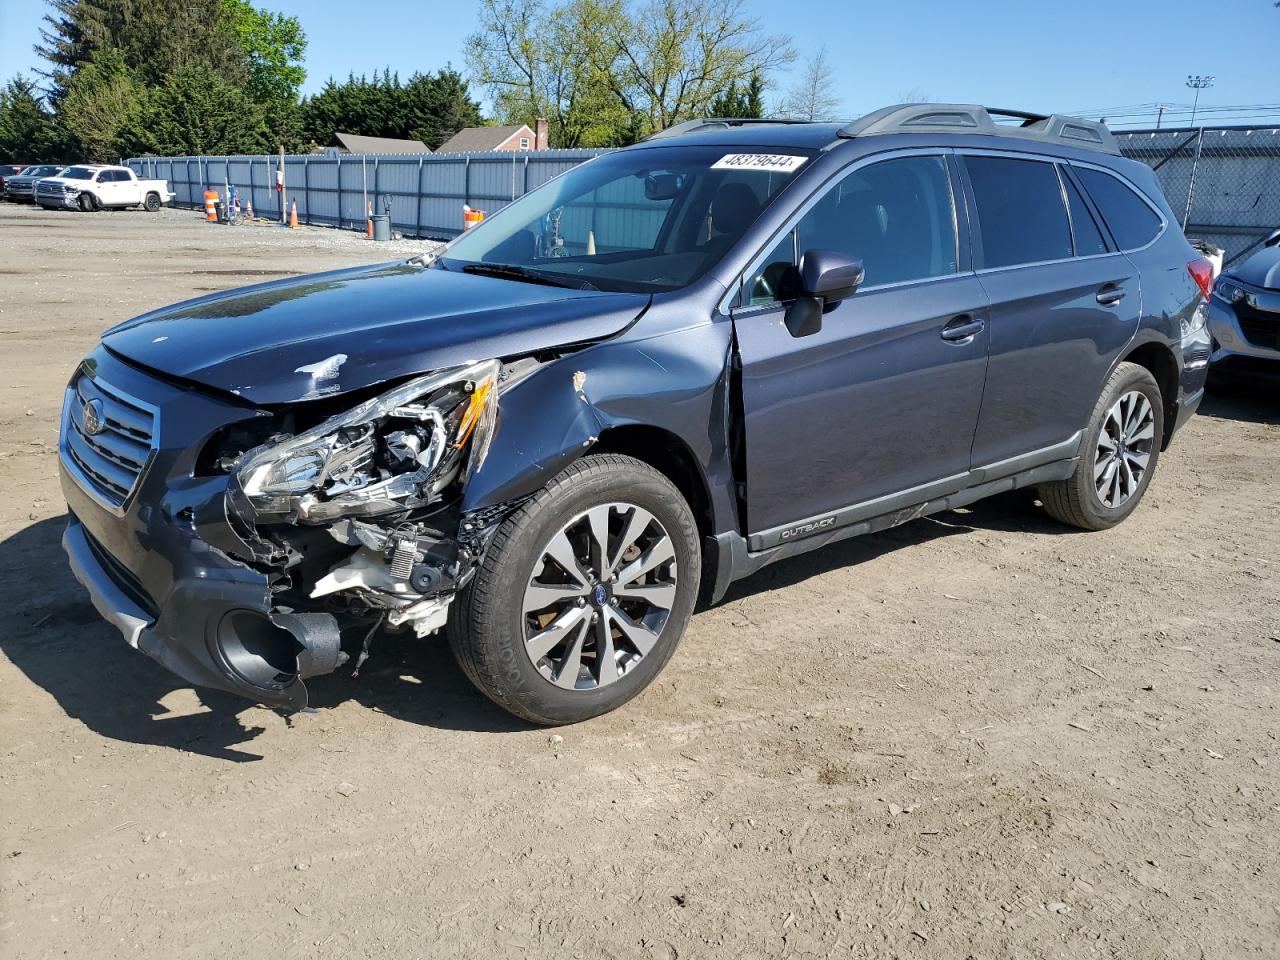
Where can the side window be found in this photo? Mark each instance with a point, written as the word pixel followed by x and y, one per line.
pixel 897 216
pixel 1084 228
pixel 1020 211
pixel 774 281
pixel 1133 223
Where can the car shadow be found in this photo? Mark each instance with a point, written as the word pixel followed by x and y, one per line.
pixel 1016 511
pixel 1245 400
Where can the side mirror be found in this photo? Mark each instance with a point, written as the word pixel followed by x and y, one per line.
pixel 826 278
pixel 1273 240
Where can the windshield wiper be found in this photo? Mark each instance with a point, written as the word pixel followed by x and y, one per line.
pixel 517 272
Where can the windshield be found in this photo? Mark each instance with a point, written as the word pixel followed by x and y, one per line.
pixel 48 170
pixel 641 220
pixel 8 171
pixel 77 173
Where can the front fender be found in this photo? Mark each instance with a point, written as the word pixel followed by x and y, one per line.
pixel 676 382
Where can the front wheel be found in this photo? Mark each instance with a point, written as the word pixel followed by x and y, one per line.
pixel 1119 456
pixel 86 203
pixel 583 593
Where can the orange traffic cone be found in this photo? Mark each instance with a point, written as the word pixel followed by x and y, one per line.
pixel 368 230
pixel 293 216
pixel 248 211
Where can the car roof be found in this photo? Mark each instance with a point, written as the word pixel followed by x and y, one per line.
pixel 933 119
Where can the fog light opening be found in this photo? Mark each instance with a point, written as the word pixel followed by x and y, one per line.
pixel 257 651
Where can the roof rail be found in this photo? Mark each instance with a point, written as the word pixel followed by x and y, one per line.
pixel 973 118
pixel 695 126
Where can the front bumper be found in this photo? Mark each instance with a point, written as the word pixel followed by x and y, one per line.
pixel 166 567
pixel 1252 340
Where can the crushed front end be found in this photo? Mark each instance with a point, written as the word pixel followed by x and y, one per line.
pixel 243 547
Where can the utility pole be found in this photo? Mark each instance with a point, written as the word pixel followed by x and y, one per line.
pixel 1159 114
pixel 1197 83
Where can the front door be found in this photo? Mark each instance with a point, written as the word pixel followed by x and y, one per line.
pixel 877 410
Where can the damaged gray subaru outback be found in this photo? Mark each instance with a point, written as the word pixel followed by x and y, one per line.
pixel 651 376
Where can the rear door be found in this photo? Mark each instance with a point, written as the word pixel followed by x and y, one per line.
pixel 1064 304
pixel 880 405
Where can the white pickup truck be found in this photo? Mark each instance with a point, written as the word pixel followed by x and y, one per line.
pixel 93 187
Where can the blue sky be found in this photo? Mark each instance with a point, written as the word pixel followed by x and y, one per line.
pixel 1088 54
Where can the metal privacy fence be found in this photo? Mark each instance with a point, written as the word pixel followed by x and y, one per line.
pixel 425 192
pixel 1223 182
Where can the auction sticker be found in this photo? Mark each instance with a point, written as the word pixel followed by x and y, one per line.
pixel 771 162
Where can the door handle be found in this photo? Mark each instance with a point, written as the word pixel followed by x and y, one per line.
pixel 1110 295
pixel 962 329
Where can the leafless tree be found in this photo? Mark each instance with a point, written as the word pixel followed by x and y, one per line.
pixel 813 96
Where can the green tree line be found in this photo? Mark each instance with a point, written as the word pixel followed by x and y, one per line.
pixel 128 77
pixel 174 77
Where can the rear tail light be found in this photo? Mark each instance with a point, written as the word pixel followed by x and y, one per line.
pixel 1201 270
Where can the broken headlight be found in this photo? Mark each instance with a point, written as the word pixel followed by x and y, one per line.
pixel 388 455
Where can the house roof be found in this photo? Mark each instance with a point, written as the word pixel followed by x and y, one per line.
pixel 355 143
pixel 477 139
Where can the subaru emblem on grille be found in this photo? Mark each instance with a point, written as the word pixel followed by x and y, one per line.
pixel 93 417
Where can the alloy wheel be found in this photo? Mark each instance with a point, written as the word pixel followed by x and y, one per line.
pixel 599 596
pixel 1124 448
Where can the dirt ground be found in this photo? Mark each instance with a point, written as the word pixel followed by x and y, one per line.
pixel 979 735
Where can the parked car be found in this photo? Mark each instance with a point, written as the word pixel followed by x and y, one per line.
pixel 1244 315
pixel 21 187
pixel 9 170
pixel 659 372
pixel 93 187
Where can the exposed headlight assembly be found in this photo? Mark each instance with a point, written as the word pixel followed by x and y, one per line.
pixel 387 455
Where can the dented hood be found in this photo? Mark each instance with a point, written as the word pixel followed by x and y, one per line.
pixel 332 332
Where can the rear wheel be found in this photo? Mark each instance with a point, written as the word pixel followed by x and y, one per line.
pixel 1119 456
pixel 152 203
pixel 583 593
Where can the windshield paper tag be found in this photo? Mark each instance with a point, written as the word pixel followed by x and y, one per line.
pixel 771 162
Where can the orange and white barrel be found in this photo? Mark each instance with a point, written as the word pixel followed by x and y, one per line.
pixel 471 218
pixel 211 206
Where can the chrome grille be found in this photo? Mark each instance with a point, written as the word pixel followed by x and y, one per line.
pixel 107 462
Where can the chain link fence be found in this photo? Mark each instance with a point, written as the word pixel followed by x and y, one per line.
pixel 1222 182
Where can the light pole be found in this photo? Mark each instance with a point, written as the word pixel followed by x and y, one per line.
pixel 1197 83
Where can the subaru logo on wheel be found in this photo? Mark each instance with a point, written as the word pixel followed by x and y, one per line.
pixel 600 594
pixel 93 417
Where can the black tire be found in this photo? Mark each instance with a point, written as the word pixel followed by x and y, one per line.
pixel 1076 501
pixel 152 202
pixel 487 621
pixel 87 203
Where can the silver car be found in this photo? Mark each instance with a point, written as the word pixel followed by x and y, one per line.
pixel 1244 314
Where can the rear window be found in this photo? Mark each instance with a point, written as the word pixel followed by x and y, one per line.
pixel 1132 221
pixel 1020 211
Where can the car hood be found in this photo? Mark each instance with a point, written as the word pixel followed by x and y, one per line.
pixel 67 181
pixel 1261 270
pixel 329 333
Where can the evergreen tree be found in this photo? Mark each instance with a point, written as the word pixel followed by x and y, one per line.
pixel 101 105
pixel 28 132
pixel 195 111
pixel 744 100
